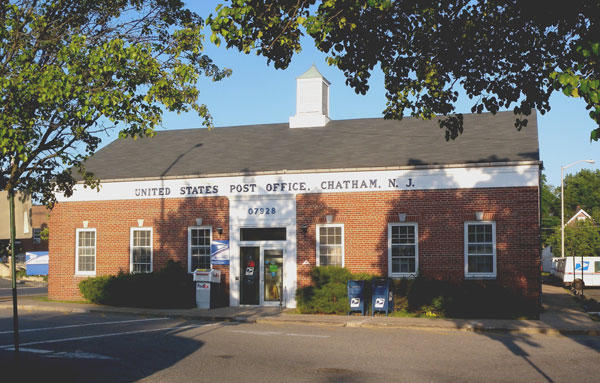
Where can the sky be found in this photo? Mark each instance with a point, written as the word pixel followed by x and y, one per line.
pixel 258 94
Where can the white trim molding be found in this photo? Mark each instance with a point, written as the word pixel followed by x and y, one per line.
pixel 95 247
pixel 318 241
pixel 189 257
pixel 282 185
pixel 480 275
pixel 415 244
pixel 131 231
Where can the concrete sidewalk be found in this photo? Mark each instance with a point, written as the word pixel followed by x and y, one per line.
pixel 561 315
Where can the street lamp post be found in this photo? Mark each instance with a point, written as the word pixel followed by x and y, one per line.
pixel 562 203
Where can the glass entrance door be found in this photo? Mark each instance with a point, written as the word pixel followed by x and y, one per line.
pixel 250 279
pixel 273 276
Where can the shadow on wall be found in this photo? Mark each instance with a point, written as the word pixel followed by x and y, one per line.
pixel 440 214
pixel 311 210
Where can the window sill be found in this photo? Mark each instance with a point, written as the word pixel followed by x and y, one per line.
pixel 80 275
pixel 480 276
pixel 404 275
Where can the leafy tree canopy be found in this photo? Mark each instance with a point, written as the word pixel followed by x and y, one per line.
pixel 73 69
pixel 583 189
pixel 581 239
pixel 550 210
pixel 505 54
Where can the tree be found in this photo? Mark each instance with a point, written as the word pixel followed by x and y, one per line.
pixel 71 70
pixel 581 239
pixel 504 54
pixel 550 210
pixel 583 189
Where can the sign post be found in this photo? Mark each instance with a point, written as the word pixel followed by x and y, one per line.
pixel 13 266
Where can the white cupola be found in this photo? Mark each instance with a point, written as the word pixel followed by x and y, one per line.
pixel 312 100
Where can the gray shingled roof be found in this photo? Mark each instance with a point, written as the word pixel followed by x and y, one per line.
pixel 342 144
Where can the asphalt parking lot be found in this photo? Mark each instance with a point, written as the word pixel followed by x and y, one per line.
pixel 23 288
pixel 85 347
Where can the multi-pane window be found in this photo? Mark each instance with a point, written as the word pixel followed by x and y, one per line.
pixel 480 249
pixel 199 248
pixel 141 250
pixel 85 261
pixel 330 245
pixel 403 250
pixel 37 239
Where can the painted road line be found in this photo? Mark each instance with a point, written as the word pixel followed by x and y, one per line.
pixel 65 355
pixel 269 333
pixel 309 335
pixel 84 325
pixel 10 346
pixel 257 332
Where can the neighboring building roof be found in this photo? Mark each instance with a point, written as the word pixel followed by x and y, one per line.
pixel 343 144
pixel 581 215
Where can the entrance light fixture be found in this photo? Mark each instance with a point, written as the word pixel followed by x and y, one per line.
pixel 304 228
pixel 220 230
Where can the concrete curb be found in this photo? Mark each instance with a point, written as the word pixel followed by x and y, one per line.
pixel 365 323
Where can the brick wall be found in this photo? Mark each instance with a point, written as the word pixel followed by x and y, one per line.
pixel 440 215
pixel 112 220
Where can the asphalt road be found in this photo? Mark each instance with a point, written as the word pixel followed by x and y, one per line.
pixel 27 288
pixel 102 348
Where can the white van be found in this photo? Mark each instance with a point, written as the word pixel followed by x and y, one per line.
pixel 589 271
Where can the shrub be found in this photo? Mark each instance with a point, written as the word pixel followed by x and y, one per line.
pixel 94 289
pixel 170 287
pixel 328 293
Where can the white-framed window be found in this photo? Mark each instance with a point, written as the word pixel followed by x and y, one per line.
pixel 199 238
pixel 85 252
pixel 330 245
pixel 141 250
pixel 480 249
pixel 403 249
pixel 37 239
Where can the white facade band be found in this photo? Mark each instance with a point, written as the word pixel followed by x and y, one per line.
pixel 293 184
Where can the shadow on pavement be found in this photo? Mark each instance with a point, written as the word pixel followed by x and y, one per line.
pixel 121 358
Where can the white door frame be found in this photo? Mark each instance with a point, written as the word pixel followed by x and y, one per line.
pixel 239 218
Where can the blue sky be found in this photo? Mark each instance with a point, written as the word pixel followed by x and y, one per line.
pixel 258 94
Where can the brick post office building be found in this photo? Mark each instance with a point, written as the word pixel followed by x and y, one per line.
pixel 267 203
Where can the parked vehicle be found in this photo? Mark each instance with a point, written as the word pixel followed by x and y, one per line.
pixel 586 269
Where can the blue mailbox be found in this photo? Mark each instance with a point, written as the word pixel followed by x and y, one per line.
pixel 356 296
pixel 382 299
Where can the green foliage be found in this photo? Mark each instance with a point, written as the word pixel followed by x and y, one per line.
pixel 170 287
pixel 70 71
pixel 415 297
pixel 466 299
pixel 503 54
pixel 45 234
pixel 550 210
pixel 581 239
pixel 95 289
pixel 328 294
pixel 583 189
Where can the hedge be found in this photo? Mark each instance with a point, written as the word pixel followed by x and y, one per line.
pixel 170 287
pixel 420 296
